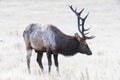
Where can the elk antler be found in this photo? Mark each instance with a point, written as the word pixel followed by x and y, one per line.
pixel 82 29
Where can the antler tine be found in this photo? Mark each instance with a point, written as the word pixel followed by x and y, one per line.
pixel 87 29
pixel 91 37
pixel 71 8
pixel 86 33
pixel 81 11
pixel 83 29
pixel 83 22
pixel 75 11
pixel 86 16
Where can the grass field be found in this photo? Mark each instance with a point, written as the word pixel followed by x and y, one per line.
pixel 104 20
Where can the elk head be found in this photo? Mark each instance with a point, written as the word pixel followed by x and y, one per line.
pixel 83 46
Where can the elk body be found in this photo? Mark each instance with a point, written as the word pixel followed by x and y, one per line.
pixel 50 39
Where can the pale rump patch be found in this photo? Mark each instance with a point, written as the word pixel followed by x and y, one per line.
pixel 43 37
pixel 48 37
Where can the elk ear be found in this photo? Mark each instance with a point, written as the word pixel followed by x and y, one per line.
pixel 77 36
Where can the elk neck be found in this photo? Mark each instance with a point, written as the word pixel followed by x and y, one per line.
pixel 70 46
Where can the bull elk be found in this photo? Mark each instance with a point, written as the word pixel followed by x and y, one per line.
pixel 50 39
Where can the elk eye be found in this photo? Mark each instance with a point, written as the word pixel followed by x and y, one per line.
pixel 85 44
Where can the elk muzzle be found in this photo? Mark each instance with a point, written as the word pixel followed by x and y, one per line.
pixel 90 53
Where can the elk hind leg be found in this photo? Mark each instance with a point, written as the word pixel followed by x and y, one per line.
pixel 39 59
pixel 49 52
pixel 56 62
pixel 29 53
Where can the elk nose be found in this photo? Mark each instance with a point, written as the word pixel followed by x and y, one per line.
pixel 90 53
